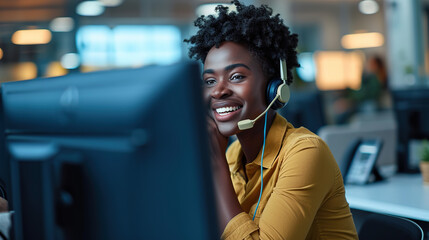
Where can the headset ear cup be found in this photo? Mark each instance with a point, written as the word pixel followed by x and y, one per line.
pixel 272 87
pixel 284 94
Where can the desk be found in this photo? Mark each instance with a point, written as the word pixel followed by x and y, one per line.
pixel 401 195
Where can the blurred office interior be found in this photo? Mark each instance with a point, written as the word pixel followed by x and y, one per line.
pixel 364 71
pixel 353 53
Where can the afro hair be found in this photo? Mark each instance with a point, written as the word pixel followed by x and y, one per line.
pixel 263 34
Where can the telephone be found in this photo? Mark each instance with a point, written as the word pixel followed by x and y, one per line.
pixel 361 162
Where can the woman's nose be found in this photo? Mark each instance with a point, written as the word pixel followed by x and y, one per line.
pixel 221 90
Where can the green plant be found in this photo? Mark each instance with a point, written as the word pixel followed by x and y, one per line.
pixel 424 154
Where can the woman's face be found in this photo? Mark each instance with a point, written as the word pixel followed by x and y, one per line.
pixel 234 86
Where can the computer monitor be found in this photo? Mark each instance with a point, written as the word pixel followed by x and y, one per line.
pixel 118 154
pixel 411 107
pixel 4 163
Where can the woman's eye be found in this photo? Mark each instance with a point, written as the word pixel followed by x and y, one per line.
pixel 209 82
pixel 237 77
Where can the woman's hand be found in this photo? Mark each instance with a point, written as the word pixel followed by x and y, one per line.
pixel 218 142
pixel 3 205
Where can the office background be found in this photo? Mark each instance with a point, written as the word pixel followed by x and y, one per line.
pixel 353 53
pixel 337 41
pixel 358 58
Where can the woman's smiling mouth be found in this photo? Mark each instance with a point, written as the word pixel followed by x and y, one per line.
pixel 225 110
pixel 225 113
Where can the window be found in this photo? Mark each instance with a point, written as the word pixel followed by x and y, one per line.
pixel 129 45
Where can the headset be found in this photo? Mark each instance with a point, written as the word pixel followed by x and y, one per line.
pixel 278 95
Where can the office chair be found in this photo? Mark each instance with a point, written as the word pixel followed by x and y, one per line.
pixel 379 227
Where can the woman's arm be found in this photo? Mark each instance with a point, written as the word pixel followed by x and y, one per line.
pixel 226 199
pixel 306 175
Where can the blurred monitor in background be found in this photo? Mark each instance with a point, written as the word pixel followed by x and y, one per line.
pixel 411 107
pixel 305 108
pixel 4 163
pixel 110 155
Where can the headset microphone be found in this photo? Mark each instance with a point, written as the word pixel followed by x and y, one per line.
pixel 282 95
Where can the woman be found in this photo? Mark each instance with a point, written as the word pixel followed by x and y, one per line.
pixel 302 194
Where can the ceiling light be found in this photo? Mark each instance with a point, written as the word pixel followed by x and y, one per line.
pixel 307 69
pixel 31 37
pixel 362 40
pixel 90 8
pixel 338 70
pixel 111 3
pixel 70 61
pixel 209 8
pixel 23 71
pixel 62 24
pixel 368 7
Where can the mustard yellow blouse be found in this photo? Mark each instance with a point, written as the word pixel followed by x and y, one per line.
pixel 303 193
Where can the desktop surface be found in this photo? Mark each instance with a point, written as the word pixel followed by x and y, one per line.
pixel 403 195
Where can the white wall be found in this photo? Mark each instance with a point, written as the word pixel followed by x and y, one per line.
pixel 405 48
pixel 337 19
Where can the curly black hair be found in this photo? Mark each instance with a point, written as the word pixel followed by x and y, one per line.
pixel 263 34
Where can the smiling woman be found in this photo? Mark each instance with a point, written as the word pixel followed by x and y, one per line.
pixel 298 192
pixel 231 76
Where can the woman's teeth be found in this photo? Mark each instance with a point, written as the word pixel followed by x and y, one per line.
pixel 225 110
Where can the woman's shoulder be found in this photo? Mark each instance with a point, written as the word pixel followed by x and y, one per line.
pixel 297 139
pixel 302 140
pixel 303 136
pixel 305 151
